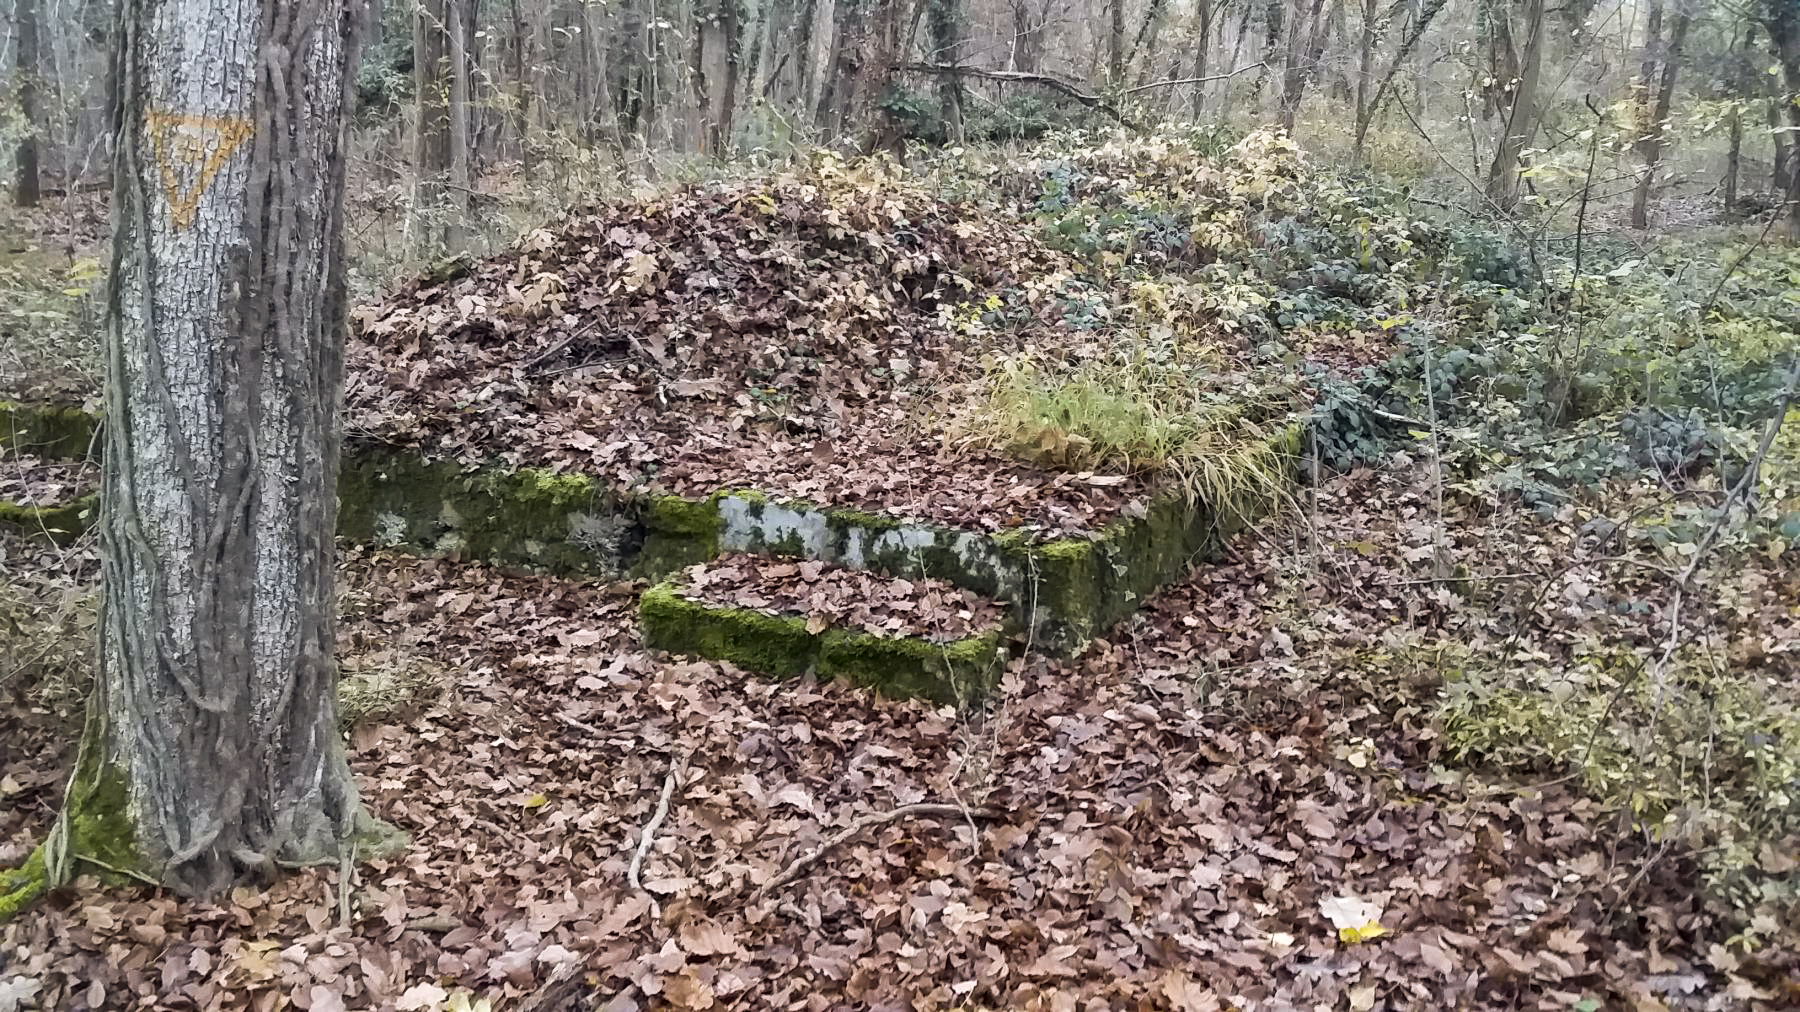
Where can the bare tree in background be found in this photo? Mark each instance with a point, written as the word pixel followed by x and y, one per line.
pixel 1517 105
pixel 441 131
pixel 25 60
pixel 1661 59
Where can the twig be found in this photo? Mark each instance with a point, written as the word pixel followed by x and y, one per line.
pixel 1189 80
pixel 564 343
pixel 1400 419
pixel 1069 88
pixel 656 820
pixel 578 725
pixel 811 857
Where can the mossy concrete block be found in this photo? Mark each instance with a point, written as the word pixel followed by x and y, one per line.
pixel 958 673
pixel 780 646
pixel 757 525
pixel 558 523
pixel 678 533
pixel 59 524
pixel 55 431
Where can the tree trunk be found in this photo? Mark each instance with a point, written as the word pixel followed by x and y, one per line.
pixel 1144 45
pixel 1520 124
pixel 1783 25
pixel 1365 68
pixel 462 176
pixel 1650 145
pixel 1733 157
pixel 716 63
pixel 213 727
pixel 1203 23
pixel 1274 14
pixel 25 56
pixel 1306 45
pixel 863 46
pixel 1115 44
pixel 440 209
pixel 948 24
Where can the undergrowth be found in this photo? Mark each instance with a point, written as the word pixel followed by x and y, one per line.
pixel 1705 756
pixel 1135 416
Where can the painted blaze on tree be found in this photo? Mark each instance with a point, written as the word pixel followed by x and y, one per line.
pixel 212 749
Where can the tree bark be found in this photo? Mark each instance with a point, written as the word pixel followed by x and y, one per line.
pixel 1306 45
pixel 863 48
pixel 214 719
pixel 1520 123
pixel 1203 26
pixel 26 190
pixel 440 207
pixel 948 24
pixel 1650 145
pixel 1783 25
pixel 1115 44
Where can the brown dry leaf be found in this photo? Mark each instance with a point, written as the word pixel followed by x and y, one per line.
pixel 685 990
pixel 1186 995
pixel 707 938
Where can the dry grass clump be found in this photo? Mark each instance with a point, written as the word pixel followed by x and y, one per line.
pixel 1136 416
pixel 386 685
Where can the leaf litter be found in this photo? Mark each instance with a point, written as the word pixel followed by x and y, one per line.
pixel 831 595
pixel 1184 818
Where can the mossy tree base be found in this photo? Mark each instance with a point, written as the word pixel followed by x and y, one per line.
pixel 957 673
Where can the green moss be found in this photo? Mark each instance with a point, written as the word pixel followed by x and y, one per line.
pixel 21 886
pixel 672 514
pixel 60 525
pixel 100 827
pixel 957 673
pixel 779 647
pixel 561 523
pixel 873 525
pixel 678 533
pixel 47 430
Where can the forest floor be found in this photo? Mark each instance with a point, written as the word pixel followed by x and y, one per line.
pixel 1372 759
pixel 1176 820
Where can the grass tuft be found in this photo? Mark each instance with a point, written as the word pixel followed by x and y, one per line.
pixel 1137 416
pixel 386 685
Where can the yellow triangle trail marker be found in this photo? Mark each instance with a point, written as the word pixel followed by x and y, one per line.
pixel 190 151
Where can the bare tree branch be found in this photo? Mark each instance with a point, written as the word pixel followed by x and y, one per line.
pixel 1054 83
pixel 1190 80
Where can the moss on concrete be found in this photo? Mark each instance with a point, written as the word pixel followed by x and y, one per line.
pixel 778 647
pixel 561 523
pixel 678 533
pixel 956 673
pixel 60 524
pixel 47 430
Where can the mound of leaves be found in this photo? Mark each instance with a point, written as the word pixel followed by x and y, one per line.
pixel 828 595
pixel 778 300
